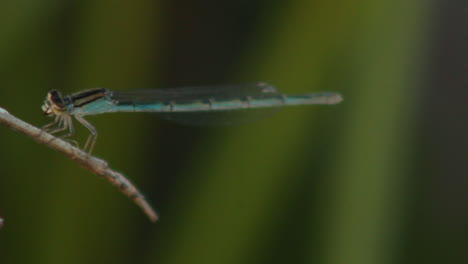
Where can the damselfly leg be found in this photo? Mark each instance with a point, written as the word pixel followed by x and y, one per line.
pixel 50 126
pixel 64 122
pixel 92 137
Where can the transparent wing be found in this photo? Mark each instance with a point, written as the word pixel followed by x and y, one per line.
pixel 207 105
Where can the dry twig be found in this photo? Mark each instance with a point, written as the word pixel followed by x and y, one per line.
pixel 93 164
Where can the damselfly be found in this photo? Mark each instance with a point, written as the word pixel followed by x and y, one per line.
pixel 186 104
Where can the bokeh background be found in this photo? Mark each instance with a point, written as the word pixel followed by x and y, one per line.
pixel 380 178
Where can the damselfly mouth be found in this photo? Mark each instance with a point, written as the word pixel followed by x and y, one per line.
pixel 47 109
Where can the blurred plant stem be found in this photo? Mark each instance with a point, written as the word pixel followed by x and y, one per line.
pixel 97 166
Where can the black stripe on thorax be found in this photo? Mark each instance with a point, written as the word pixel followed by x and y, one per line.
pixel 86 97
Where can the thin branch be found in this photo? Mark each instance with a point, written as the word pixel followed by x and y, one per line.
pixel 91 163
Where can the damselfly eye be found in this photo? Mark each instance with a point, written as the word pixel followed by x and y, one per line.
pixel 55 97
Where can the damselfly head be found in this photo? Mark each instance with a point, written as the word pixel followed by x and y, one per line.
pixel 53 104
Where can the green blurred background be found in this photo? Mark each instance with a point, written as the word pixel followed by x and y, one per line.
pixel 380 178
